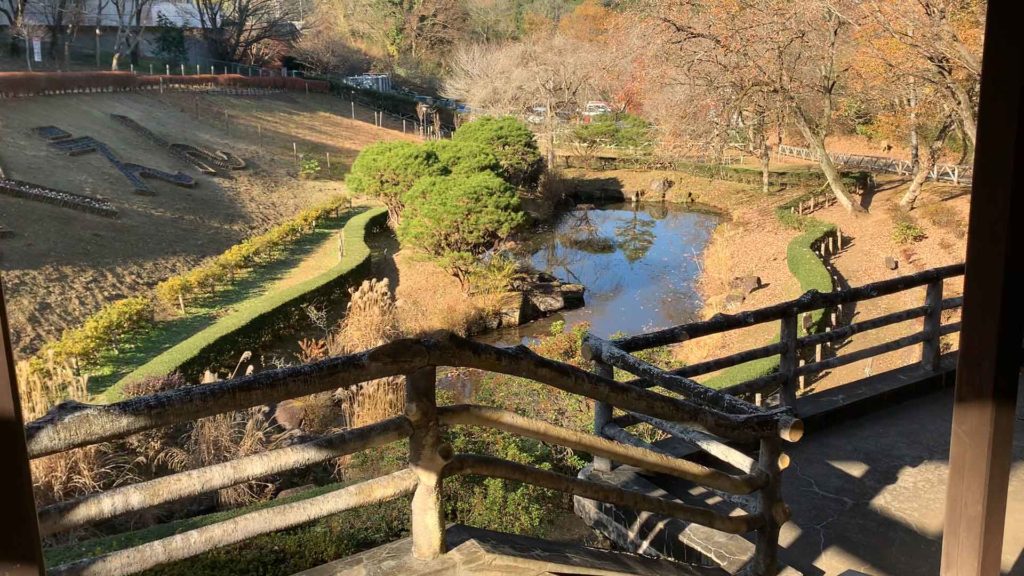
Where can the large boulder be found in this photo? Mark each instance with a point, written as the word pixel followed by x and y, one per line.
pixel 660 187
pixel 734 301
pixel 290 414
pixel 745 284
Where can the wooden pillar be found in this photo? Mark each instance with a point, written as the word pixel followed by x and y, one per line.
pixel 426 458
pixel 772 508
pixel 993 313
pixel 932 323
pixel 602 414
pixel 20 551
pixel 788 360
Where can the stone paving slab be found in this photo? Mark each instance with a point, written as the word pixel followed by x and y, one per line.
pixel 477 552
pixel 869 495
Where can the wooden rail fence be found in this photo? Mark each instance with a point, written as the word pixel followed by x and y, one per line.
pixel 940 172
pixel 713 421
pixel 73 425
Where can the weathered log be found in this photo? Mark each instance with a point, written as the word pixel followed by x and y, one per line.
pixel 497 468
pixel 602 414
pixel 426 459
pixel 862 354
pixel 809 301
pixel 772 509
pixel 846 331
pixel 951 328
pixel 932 326
pixel 194 542
pixel 523 362
pixel 955 302
pixel 709 444
pixel 124 499
pixel 595 347
pixel 763 384
pixel 72 425
pixel 728 361
pixel 639 457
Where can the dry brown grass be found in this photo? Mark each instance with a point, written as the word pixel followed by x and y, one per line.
pixel 430 299
pixel 47 384
pixel 371 319
pixel 945 217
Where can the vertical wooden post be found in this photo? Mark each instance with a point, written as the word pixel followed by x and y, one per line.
pixel 602 414
pixel 426 460
pixel 353 103
pixel 987 377
pixel 788 359
pixel 932 323
pixel 772 509
pixel 20 551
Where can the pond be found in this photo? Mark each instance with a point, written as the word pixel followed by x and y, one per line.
pixel 640 265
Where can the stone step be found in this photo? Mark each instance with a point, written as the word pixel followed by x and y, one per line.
pixel 477 552
pixel 661 537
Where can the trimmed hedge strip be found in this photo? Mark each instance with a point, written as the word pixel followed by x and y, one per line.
pixel 256 319
pixel 258 250
pixel 808 269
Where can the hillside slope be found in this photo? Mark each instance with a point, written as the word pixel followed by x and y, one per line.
pixel 62 265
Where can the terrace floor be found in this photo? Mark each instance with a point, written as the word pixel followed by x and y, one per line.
pixel 869 494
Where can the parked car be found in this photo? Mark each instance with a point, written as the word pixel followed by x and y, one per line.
pixel 536 114
pixel 596 108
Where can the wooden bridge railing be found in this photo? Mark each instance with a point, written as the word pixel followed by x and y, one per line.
pixel 700 411
pixel 941 172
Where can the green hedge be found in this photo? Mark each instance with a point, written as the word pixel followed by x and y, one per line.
pixel 254 321
pixel 809 270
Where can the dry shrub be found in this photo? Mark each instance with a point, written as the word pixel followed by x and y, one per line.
pixel 429 300
pixel 221 438
pixel 79 472
pixel 946 217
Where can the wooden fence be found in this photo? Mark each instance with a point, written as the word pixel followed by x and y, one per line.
pixel 713 421
pixel 73 425
pixel 940 172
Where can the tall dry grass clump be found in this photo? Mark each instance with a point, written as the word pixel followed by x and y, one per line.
pixel 430 299
pixel 44 382
pixel 371 319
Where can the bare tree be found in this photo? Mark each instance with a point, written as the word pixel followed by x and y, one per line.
pixel 549 70
pixel 13 12
pixel 946 37
pixel 233 29
pixel 131 26
pixel 758 58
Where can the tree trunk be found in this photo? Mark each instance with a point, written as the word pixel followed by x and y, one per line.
pixel 115 60
pixel 908 200
pixel 99 62
pixel 835 180
pixel 28 52
pixel 766 158
pixel 915 145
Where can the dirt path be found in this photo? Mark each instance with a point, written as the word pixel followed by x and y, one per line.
pixel 754 243
pixel 862 261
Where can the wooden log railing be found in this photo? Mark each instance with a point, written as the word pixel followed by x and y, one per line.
pixel 711 416
pixel 770 460
pixel 954 173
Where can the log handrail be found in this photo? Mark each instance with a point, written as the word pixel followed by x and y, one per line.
pixel 498 468
pixel 713 421
pixel 626 454
pixel 808 302
pixel 133 497
pixel 73 425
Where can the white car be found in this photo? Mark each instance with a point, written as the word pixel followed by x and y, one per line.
pixel 596 108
